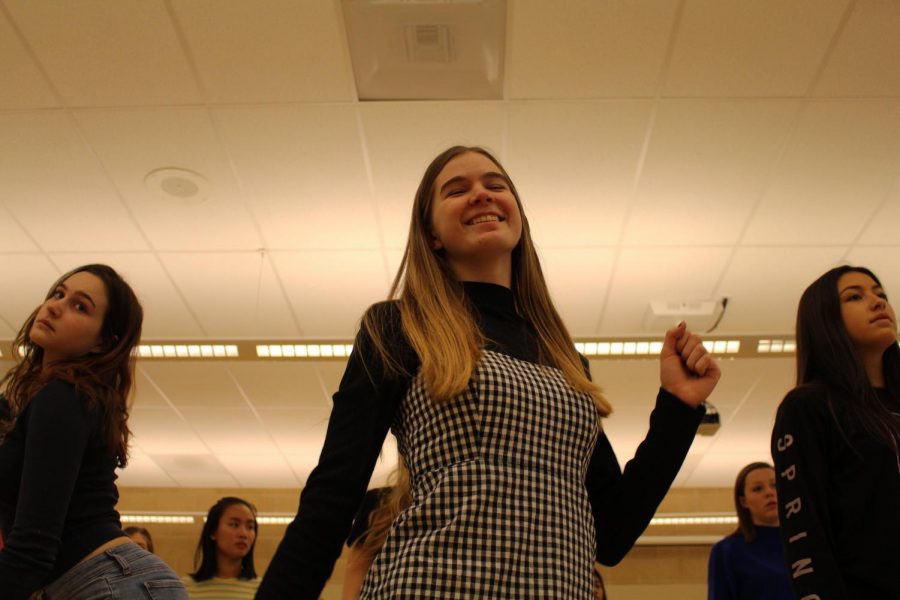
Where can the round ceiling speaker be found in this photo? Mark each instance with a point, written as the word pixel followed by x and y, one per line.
pixel 178 185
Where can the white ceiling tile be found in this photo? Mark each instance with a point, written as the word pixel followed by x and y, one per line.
pixel 142 471
pixel 574 164
pixel 578 280
pixel 866 59
pixel 646 274
pixel 133 143
pixel 296 431
pixel 583 49
pixel 195 470
pixel 145 394
pixel 100 53
pixel 718 469
pixel 13 238
pixel 165 314
pixel 842 163
pixel 303 171
pixel 252 471
pixel 160 431
pixel 55 187
pixel 707 164
pixel 231 431
pixel 764 285
pixel 33 275
pixel 248 303
pixel 883 227
pixel 630 386
pixel 21 83
pixel 268 51
pixel 291 384
pixel 205 480
pixel 198 384
pixel 883 262
pixel 763 48
pixel 403 137
pixel 330 290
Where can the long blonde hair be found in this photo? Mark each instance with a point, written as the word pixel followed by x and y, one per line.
pixel 436 319
pixel 390 504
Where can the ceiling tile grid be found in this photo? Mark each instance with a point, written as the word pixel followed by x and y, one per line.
pixel 302 169
pixel 267 50
pixel 707 165
pixel 55 188
pixel 768 48
pixel 100 53
pixel 608 49
pixel 574 165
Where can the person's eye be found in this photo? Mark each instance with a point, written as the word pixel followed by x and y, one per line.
pixel 80 306
pixel 498 187
pixel 455 192
pixel 58 294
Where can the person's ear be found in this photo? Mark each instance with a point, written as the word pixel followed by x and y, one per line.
pixel 436 243
pixel 743 501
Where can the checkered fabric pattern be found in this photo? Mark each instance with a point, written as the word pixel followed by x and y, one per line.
pixel 499 508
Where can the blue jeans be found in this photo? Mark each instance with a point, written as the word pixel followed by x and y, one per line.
pixel 125 572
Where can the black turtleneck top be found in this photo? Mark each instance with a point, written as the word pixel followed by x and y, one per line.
pixel 364 408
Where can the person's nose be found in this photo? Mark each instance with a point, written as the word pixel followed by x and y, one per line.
pixel 54 307
pixel 480 195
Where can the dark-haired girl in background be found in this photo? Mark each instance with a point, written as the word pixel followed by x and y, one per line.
pixel 835 443
pixel 749 563
pixel 225 553
pixel 69 394
pixel 515 490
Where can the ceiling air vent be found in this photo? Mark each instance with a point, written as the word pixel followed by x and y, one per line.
pixel 426 49
pixel 428 43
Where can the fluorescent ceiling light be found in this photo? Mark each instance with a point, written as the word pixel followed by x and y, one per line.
pixel 776 346
pixel 173 519
pixel 187 351
pixel 303 350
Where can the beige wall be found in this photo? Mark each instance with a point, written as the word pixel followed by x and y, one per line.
pixel 648 572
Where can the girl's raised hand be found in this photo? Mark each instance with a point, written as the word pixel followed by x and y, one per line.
pixel 686 369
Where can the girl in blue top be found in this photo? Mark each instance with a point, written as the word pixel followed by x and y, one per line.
pixel 749 563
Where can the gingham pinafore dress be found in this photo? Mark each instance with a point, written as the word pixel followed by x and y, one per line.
pixel 499 507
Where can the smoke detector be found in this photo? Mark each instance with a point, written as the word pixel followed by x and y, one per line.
pixel 426 49
pixel 174 184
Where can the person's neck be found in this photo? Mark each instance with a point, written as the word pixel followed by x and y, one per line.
pixel 872 363
pixel 228 568
pixel 498 272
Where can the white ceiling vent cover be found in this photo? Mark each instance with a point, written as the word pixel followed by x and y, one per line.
pixel 427 50
pixel 700 315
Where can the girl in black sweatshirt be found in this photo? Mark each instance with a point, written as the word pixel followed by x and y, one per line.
pixel 835 443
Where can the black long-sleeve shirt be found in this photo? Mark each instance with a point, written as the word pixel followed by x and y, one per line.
pixel 364 408
pixel 839 501
pixel 57 491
